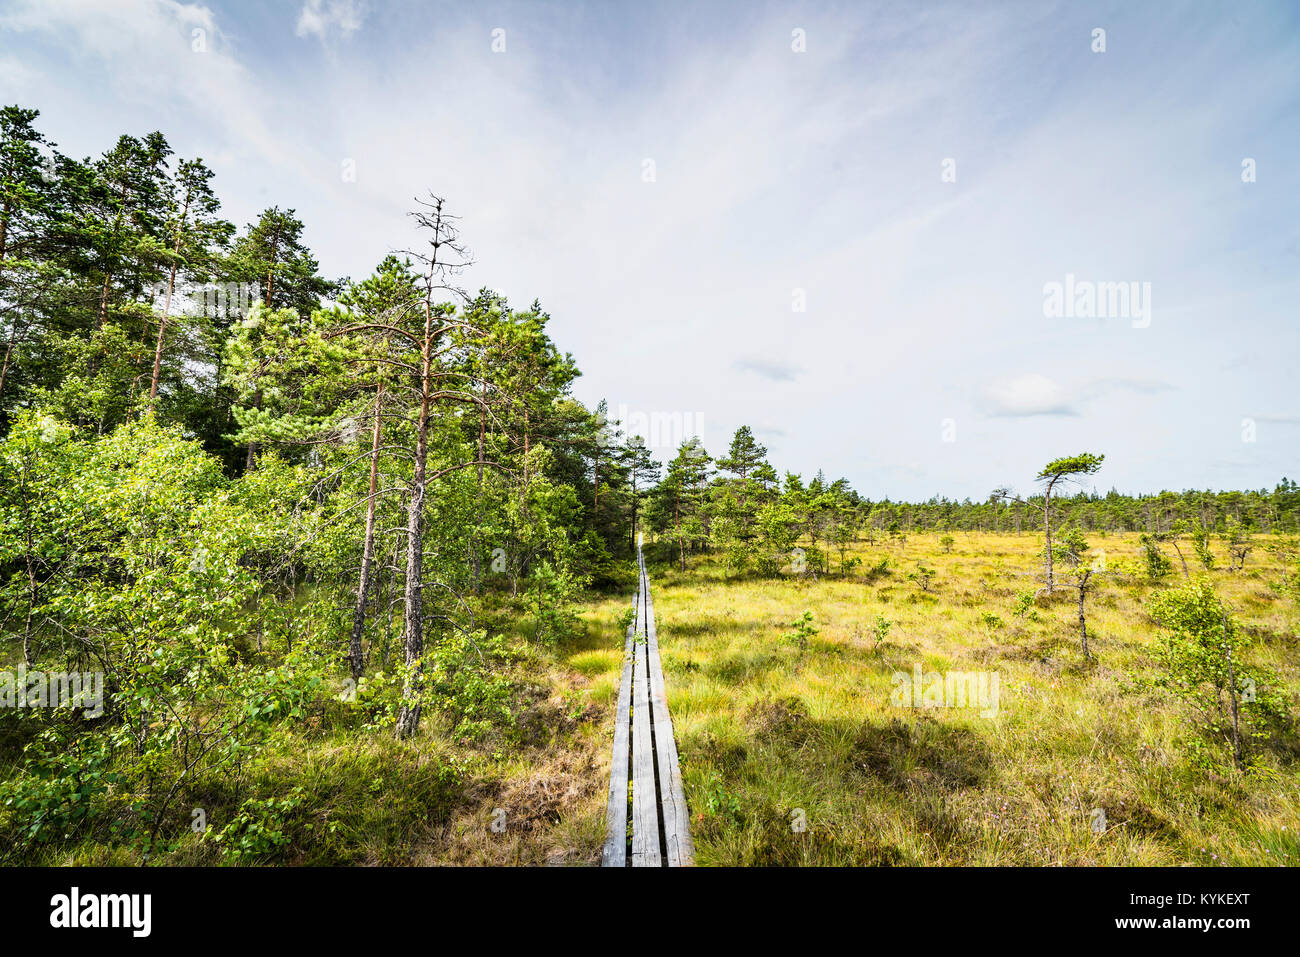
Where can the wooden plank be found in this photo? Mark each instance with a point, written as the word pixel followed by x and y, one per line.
pixel 645 802
pixel 643 736
pixel 672 797
pixel 615 852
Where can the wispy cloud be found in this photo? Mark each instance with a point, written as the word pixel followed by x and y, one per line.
pixel 768 369
pixel 1034 394
pixel 328 20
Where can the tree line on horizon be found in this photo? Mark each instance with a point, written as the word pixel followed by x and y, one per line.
pixel 739 507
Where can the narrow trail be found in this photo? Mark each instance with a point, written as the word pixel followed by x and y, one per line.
pixel 645 755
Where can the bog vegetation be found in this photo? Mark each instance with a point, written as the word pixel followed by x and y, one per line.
pixel 351 564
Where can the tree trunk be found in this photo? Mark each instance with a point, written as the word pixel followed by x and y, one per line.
pixel 408 716
pixel 103 302
pixel 31 598
pixel 476 545
pixel 1186 573
pixel 13 333
pixel 162 331
pixel 1047 530
pixel 1083 622
pixel 368 546
pixel 633 542
pixel 9 351
pixel 1237 755
pixel 390 586
pixel 681 539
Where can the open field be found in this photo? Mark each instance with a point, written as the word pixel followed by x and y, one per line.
pixel 766 732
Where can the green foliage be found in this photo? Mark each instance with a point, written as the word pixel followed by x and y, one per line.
pixel 801 629
pixel 600 569
pixel 719 802
pixel 923 576
pixel 1157 564
pixel 1237 541
pixel 1085 463
pixel 1201 546
pixel 257 833
pixel 879 570
pixel 553 590
pixel 1289 585
pixel 1069 546
pixel 1024 601
pixel 1201 655
pixel 880 628
pixel 464 682
pixel 62 789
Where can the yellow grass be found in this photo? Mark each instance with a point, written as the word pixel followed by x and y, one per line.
pixel 802 758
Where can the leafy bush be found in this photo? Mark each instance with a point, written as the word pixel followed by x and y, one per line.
pixel 1024 601
pixel 257 834
pixel 1201 653
pixel 462 681
pixel 802 628
pixel 922 576
pixel 877 571
pixel 1157 565
pixel 880 628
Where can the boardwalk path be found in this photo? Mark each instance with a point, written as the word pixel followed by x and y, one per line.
pixel 645 753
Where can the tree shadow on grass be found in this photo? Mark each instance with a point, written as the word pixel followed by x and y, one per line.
pixel 700 626
pixel 921 754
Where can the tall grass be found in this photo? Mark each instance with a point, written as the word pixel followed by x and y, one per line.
pixel 802 758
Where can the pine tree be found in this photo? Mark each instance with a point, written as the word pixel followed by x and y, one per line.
pixel 642 470
pixel 195 233
pixel 683 491
pixel 272 255
pixel 26 210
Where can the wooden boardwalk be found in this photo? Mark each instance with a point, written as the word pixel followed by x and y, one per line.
pixel 645 754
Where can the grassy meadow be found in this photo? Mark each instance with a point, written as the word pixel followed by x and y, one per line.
pixel 795 757
pixel 790 755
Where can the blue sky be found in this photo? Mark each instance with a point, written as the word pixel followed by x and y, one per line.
pixel 923 362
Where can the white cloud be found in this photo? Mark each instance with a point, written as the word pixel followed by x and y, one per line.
pixel 148 60
pixel 1029 394
pixel 1033 394
pixel 326 19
